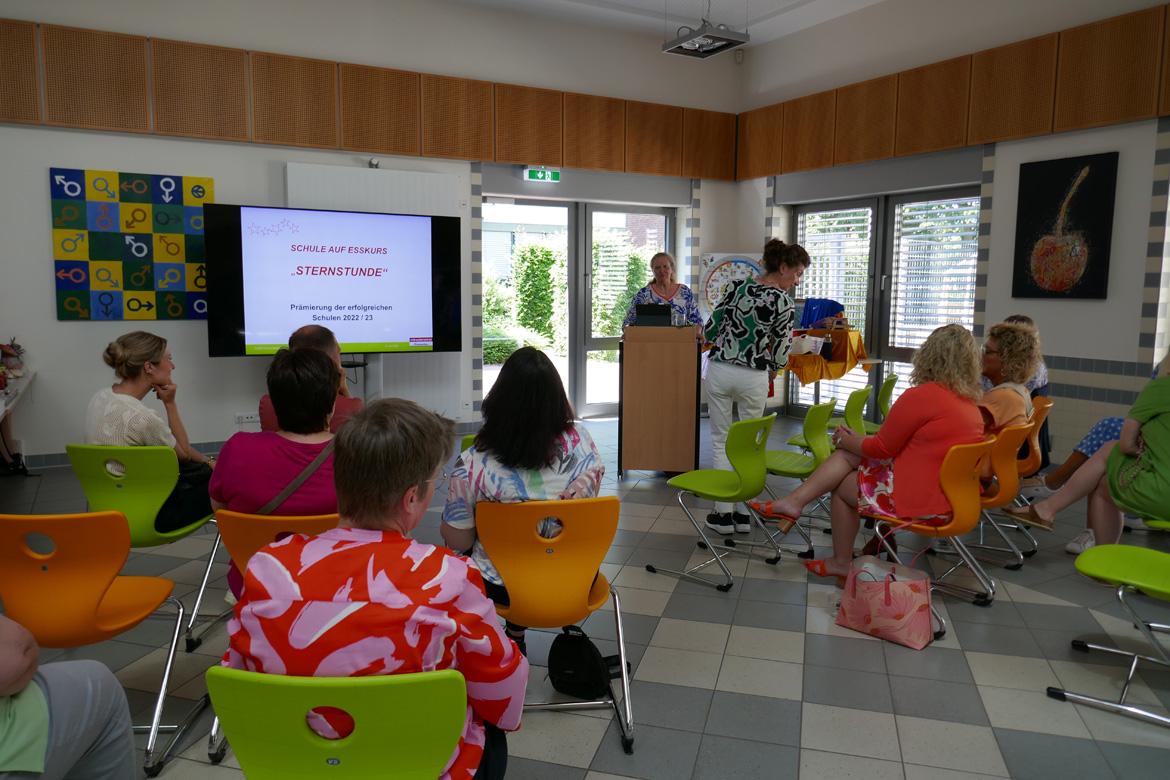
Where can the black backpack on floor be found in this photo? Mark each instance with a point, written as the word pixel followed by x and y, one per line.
pixel 577 668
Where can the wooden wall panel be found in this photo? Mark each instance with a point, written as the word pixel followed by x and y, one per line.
pixel 864 126
pixel 528 125
pixel 932 106
pixel 594 132
pixel 708 144
pixel 95 80
pixel 654 138
pixel 1164 99
pixel 379 110
pixel 456 118
pixel 1013 88
pixel 1108 71
pixel 761 136
pixel 808 131
pixel 199 91
pixel 294 101
pixel 19 94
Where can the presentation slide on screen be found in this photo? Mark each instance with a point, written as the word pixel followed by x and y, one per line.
pixel 367 277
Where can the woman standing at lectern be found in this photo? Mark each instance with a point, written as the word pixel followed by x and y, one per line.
pixel 750 332
pixel 665 290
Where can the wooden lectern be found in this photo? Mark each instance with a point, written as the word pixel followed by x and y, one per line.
pixel 658 410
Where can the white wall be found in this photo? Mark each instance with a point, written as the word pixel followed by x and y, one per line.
pixel 900 34
pixel 67 355
pixel 733 217
pixel 432 36
pixel 1101 329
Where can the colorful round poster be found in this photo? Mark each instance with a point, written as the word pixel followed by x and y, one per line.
pixel 719 271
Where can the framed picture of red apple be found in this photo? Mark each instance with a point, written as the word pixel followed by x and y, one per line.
pixel 1064 226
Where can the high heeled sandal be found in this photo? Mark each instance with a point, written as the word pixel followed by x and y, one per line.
pixel 820 568
pixel 783 522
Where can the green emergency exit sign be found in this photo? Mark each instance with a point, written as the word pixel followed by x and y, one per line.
pixel 542 174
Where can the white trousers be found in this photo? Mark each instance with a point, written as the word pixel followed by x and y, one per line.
pixel 728 385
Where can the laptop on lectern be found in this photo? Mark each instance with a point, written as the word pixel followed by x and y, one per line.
pixel 652 314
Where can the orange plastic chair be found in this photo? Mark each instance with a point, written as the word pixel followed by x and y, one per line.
pixel 554 582
pixel 243 535
pixel 59 579
pixel 1029 465
pixel 1004 461
pixel 959 478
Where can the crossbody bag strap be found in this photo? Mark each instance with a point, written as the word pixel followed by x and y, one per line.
pixel 299 480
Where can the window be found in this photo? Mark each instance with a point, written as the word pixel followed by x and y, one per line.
pixel 921 249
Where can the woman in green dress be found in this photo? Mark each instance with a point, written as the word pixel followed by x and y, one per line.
pixel 1130 475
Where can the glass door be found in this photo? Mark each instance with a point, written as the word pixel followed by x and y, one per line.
pixel 618 242
pixel 526 272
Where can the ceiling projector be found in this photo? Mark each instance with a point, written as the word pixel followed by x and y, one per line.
pixel 706 41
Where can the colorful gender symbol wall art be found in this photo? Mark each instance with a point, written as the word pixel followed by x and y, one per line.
pixel 129 246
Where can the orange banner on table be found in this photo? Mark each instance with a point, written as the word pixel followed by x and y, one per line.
pixel 848 350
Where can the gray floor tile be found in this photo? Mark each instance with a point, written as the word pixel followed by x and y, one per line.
pixel 824 650
pixel 938 700
pixel 987 638
pixel 659 754
pixel 618 555
pixel 722 757
pixel 781 592
pixel 1057 645
pixel 674 542
pixel 666 559
pixel 629 538
pixel 709 609
pixel 762 614
pixel 527 769
pixel 638 628
pixel 933 663
pixel 1032 756
pixel 759 718
pixel 1077 589
pixel 1132 762
pixel 700 589
pixel 1159 683
pixel 634 653
pixel 847 688
pixel 153 565
pixel 670 706
pixel 112 653
pixel 1001 612
pixel 1049 617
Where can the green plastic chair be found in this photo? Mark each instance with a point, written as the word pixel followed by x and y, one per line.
pixel 884 400
pixel 1132 570
pixel 747 442
pixel 466 442
pixel 799 465
pixel 405 725
pixel 149 475
pixel 854 417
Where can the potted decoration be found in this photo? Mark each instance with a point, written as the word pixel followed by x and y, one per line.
pixel 11 355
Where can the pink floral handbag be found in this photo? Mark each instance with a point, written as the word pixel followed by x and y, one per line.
pixel 888 601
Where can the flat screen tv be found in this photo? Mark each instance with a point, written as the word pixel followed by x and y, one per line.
pixel 380 282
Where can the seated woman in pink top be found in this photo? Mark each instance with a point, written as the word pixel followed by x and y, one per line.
pixel 935 414
pixel 256 467
pixel 364 598
pixel 321 338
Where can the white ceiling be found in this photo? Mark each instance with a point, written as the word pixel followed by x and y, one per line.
pixel 766 20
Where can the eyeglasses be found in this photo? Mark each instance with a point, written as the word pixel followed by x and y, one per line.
pixel 439 480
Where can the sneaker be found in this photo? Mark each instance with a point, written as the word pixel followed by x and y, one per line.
pixel 720 523
pixel 1034 488
pixel 741 522
pixel 1081 542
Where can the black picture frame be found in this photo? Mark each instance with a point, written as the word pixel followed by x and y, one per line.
pixel 1065 257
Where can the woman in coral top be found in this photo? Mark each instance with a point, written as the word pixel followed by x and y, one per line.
pixel 364 598
pixel 935 414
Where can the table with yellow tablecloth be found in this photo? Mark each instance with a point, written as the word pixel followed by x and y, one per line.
pixel 848 352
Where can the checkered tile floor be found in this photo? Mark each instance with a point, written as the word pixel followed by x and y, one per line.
pixel 759 682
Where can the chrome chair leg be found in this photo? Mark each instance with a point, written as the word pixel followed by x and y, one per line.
pixel 1015 558
pixel 196 639
pixel 1119 707
pixel 217 743
pixel 625 714
pixel 980 598
pixel 154 761
pixel 716 557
